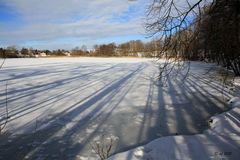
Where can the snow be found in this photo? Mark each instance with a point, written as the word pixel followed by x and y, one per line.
pixel 234 102
pixel 220 141
pixel 237 81
pixel 59 106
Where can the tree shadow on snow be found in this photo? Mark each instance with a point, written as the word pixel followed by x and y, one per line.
pixel 178 108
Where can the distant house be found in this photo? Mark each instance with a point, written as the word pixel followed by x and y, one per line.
pixel 30 54
pixel 67 54
pixel 42 54
pixel 140 54
pixel 19 55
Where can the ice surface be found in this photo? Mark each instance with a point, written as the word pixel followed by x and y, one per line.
pixel 67 103
pixel 220 141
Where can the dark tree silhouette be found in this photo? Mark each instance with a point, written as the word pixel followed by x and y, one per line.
pixel 195 30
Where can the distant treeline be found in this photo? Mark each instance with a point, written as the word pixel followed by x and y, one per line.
pixel 135 48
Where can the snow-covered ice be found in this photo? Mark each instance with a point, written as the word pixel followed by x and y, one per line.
pixel 75 100
pixel 220 141
pixel 234 102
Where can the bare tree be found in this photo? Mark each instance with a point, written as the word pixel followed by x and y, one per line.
pixel 104 146
pixel 171 21
pixel 179 23
pixel 219 30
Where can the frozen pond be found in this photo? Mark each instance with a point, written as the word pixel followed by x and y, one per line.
pixel 59 107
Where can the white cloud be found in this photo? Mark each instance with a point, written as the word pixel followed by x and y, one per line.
pixel 50 20
pixel 51 9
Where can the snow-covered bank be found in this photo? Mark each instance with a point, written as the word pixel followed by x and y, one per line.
pixel 220 141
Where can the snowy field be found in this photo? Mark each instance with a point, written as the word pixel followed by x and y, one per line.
pixel 58 107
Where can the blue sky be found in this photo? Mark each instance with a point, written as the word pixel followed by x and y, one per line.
pixel 65 24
